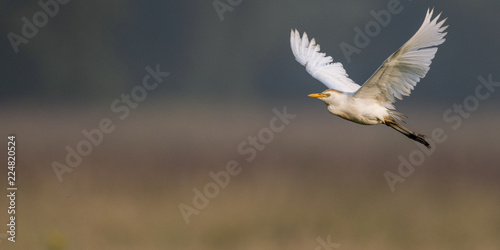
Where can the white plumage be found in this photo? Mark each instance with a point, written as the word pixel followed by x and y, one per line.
pixel 372 103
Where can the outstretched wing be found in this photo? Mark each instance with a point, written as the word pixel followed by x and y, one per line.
pixel 401 72
pixel 319 65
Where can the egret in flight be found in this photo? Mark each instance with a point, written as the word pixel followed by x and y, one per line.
pixel 372 103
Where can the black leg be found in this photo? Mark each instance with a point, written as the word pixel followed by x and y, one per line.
pixel 414 136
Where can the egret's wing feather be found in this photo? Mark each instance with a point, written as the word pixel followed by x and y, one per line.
pixel 401 72
pixel 319 65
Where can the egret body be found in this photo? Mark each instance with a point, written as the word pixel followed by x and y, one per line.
pixel 372 103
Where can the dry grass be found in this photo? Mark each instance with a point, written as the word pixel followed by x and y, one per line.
pixel 125 195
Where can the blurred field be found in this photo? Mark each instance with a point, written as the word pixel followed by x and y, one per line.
pixel 321 176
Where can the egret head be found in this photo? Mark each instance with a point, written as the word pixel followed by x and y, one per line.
pixel 328 96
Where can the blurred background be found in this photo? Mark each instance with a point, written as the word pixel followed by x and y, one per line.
pixel 68 65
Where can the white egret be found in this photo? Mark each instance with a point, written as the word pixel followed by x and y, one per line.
pixel 372 103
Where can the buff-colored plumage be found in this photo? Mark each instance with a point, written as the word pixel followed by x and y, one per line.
pixel 372 103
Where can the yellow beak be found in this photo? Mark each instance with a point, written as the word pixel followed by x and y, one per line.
pixel 317 95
